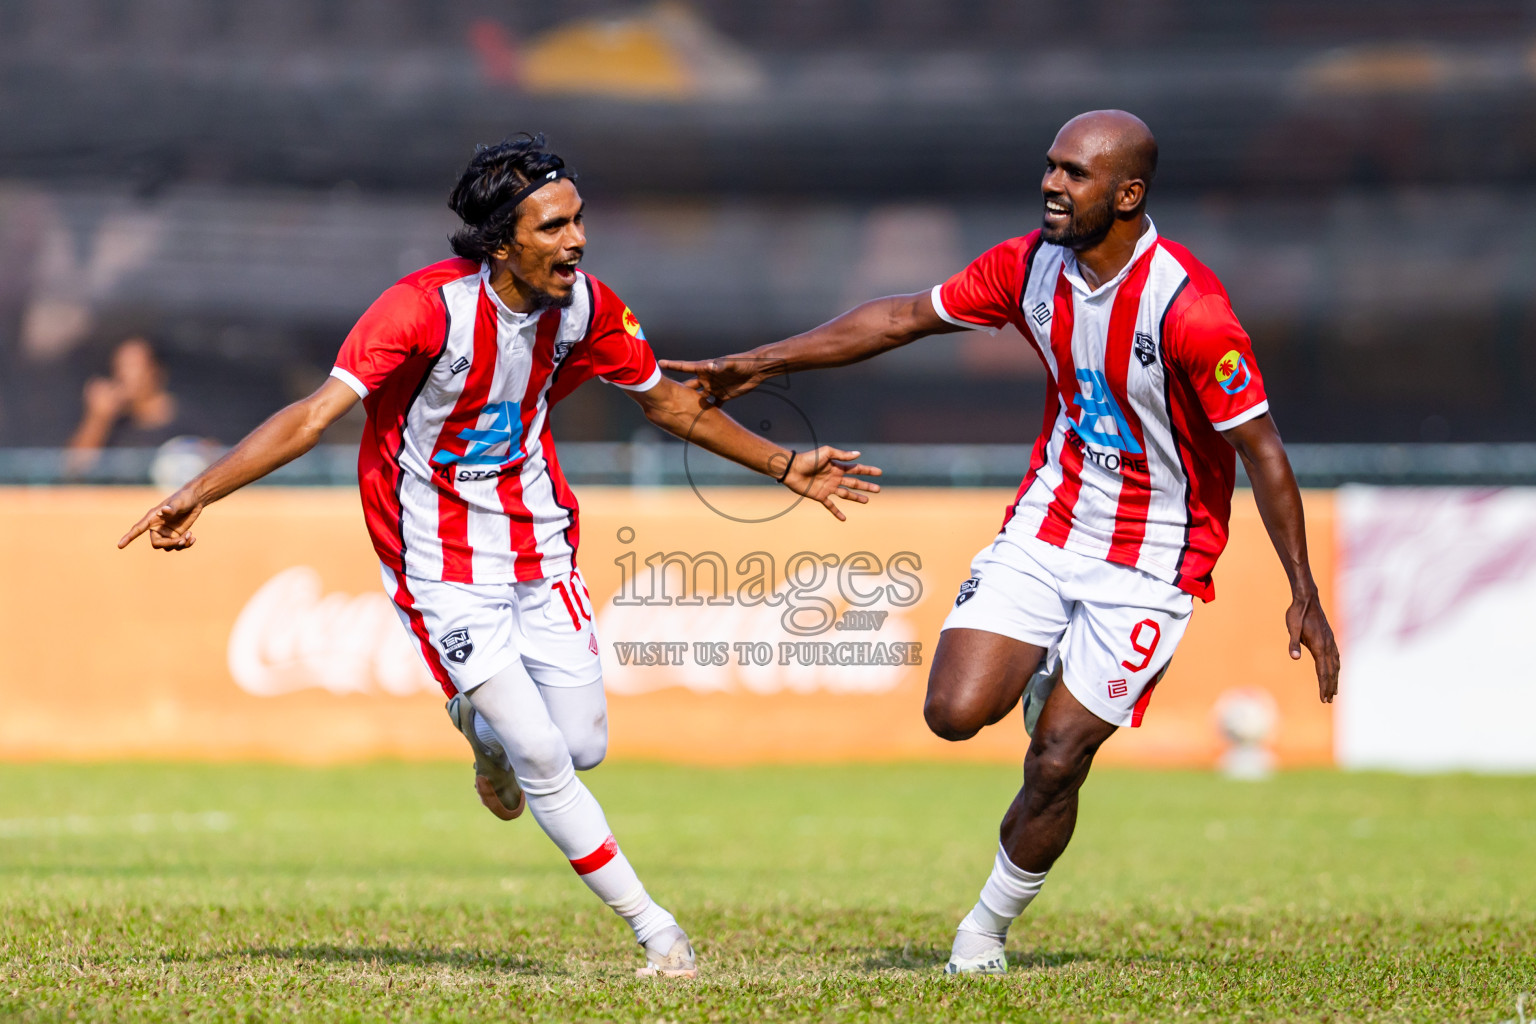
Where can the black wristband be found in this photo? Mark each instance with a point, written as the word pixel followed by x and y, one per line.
pixel 787 466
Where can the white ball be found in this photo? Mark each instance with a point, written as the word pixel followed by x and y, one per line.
pixel 179 460
pixel 1247 715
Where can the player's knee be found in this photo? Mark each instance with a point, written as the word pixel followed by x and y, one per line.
pixel 953 718
pixel 589 749
pixel 1055 762
pixel 1048 772
pixel 539 752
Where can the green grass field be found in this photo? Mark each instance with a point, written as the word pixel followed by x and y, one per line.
pixel 186 892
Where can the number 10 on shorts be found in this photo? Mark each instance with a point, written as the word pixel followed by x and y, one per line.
pixel 569 593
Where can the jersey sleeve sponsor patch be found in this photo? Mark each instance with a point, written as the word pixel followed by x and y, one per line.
pixel 617 349
pixel 1232 373
pixel 632 324
pixel 1216 355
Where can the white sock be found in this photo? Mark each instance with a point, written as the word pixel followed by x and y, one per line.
pixel 562 805
pixel 571 816
pixel 488 736
pixel 1007 892
pixel 654 923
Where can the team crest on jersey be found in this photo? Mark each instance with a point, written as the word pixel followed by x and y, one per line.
pixel 1145 350
pixel 456 645
pixel 563 349
pixel 967 590
pixel 632 324
pixel 1232 372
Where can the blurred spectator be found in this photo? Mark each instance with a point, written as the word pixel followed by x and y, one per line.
pixel 130 409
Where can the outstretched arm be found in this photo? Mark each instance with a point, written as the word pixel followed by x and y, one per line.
pixel 820 474
pixel 288 434
pixel 1274 491
pixel 861 333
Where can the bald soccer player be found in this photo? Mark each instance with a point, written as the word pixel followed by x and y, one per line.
pixel 1123 511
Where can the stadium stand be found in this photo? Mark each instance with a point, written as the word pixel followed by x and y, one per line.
pixel 238 180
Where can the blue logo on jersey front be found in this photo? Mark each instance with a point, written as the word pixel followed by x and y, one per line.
pixel 1100 420
pixel 505 428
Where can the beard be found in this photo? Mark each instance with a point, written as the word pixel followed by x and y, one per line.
pixel 544 300
pixel 1085 228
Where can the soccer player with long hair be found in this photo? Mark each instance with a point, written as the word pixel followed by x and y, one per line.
pixel 458 366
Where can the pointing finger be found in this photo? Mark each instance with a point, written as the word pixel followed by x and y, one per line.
pixel 149 520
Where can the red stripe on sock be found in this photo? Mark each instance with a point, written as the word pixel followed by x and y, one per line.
pixel 597 858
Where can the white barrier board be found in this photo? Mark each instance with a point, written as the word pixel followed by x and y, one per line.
pixel 1437 591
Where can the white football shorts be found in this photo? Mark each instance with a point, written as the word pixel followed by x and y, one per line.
pixel 467 632
pixel 1113 627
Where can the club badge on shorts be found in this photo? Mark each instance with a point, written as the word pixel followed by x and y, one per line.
pixel 456 645
pixel 967 590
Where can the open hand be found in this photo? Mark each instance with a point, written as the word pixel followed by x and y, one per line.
pixel 1309 628
pixel 825 473
pixel 721 379
pixel 167 523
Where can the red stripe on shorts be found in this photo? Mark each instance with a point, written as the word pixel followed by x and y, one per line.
pixel 407 604
pixel 597 858
pixel 1141 705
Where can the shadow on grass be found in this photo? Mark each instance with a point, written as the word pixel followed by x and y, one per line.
pixel 928 958
pixel 394 956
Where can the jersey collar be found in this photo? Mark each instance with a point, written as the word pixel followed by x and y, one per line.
pixel 1069 266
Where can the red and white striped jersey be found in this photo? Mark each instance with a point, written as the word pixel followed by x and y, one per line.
pixel 1144 371
pixel 457 467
